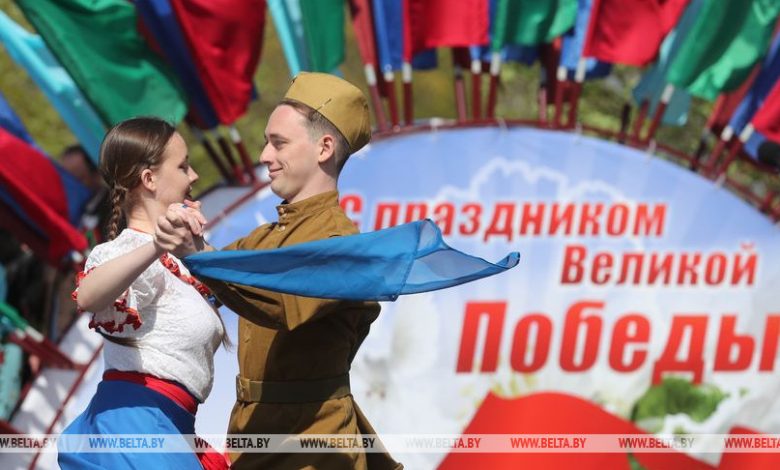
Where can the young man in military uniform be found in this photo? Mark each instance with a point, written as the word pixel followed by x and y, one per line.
pixel 294 353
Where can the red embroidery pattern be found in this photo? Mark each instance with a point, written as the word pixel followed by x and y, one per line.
pixel 173 267
pixel 120 305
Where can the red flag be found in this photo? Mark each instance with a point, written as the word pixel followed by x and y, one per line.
pixel 630 31
pixel 35 185
pixel 441 23
pixel 767 119
pixel 225 38
pixel 557 413
pixel 362 19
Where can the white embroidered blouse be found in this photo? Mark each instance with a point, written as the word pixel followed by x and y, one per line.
pixel 174 326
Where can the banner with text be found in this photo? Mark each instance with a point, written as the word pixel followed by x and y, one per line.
pixel 645 299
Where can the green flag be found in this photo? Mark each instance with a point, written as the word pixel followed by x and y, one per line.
pixel 726 41
pixel 531 22
pixel 99 45
pixel 323 25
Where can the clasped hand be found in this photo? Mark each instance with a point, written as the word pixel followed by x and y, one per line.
pixel 180 230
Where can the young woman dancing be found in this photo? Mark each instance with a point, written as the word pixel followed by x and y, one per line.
pixel 160 324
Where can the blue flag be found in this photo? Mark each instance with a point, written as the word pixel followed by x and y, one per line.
pixel 160 20
pixel 381 265
pixel 30 52
pixel 11 122
pixel 510 53
pixel 754 143
pixel 389 32
pixel 288 21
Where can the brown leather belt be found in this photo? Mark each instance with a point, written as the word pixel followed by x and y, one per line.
pixel 304 391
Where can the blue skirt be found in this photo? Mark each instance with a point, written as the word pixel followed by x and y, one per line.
pixel 121 407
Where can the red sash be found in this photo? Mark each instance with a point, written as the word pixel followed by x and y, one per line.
pixel 169 388
pixel 209 458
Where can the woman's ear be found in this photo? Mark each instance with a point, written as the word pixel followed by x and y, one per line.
pixel 327 148
pixel 148 179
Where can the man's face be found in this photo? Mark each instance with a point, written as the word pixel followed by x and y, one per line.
pixel 290 154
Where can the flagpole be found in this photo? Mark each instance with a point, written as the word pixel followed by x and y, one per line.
pixel 712 159
pixel 625 118
pixel 495 70
pixel 703 140
pixel 766 204
pixel 225 148
pixel 579 78
pixel 736 146
pixel 666 96
pixel 639 122
pixel 541 98
pixel 245 159
pixel 376 100
pixel 460 94
pixel 460 89
pixel 203 140
pixel 392 101
pixel 476 88
pixel 717 110
pixel 560 83
pixel 406 76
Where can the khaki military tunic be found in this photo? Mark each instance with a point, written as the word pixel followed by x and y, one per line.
pixel 288 338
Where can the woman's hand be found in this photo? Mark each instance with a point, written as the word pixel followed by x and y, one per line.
pixel 180 230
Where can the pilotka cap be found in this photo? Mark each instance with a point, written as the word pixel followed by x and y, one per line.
pixel 342 103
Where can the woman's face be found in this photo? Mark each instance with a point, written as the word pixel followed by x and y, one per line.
pixel 174 176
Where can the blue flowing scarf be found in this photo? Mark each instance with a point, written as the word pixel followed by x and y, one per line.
pixel 381 265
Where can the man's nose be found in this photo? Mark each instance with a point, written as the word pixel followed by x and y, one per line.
pixel 266 154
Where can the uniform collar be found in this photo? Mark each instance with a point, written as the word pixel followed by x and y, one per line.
pixel 289 212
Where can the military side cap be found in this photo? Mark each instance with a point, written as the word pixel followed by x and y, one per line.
pixel 342 103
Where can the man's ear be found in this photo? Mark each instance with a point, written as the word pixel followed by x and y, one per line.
pixel 327 148
pixel 148 179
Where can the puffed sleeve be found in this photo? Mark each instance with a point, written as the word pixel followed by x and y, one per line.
pixel 125 314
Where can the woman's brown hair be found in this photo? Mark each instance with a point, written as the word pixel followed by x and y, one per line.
pixel 127 150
